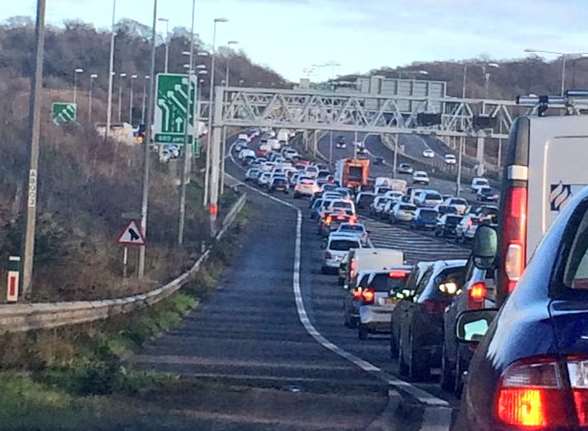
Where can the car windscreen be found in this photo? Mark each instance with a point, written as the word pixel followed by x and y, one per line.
pixel 343 244
pixel 428 215
pixel 385 283
pixel 355 173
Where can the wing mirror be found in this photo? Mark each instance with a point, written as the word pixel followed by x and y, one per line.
pixel 485 247
pixel 472 325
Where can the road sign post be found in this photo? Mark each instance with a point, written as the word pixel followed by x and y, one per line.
pixel 63 113
pixel 133 236
pixel 13 279
pixel 172 98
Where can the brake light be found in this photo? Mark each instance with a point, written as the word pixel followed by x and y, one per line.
pixel 531 394
pixel 476 295
pixel 352 220
pixel 352 268
pixel 514 233
pixel 328 220
pixel 357 296
pixel 433 307
pixel 397 274
pixel 368 295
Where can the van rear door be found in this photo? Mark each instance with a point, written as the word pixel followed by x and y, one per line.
pixel 557 170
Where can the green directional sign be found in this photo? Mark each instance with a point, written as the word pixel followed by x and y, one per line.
pixel 63 113
pixel 174 104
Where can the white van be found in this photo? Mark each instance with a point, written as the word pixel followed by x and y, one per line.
pixel 544 167
pixel 373 259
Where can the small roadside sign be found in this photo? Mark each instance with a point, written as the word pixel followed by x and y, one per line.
pixel 13 279
pixel 131 235
pixel 63 113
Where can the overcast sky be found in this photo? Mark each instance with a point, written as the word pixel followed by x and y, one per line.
pixel 291 35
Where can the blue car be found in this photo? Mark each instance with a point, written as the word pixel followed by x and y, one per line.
pixel 530 368
pixel 425 218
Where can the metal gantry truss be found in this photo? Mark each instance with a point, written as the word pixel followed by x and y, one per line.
pixel 319 110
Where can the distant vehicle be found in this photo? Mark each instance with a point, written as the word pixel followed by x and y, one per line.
pixel 356 228
pixel 421 323
pixel 337 247
pixel 283 136
pixel 243 137
pixel 487 194
pixel 466 229
pixel 394 195
pixel 311 171
pixel 315 208
pixel 379 297
pixel 446 225
pixel 420 177
pixel 341 143
pixel 240 144
pixel 342 205
pixel 352 173
pixel 278 184
pixel 363 200
pixel 381 190
pixel 274 144
pixel 290 153
pixel 405 168
pixel 264 179
pixel 450 159
pixel 246 153
pixel 487 214
pixel 428 199
pixel 477 183
pixel 424 218
pixel 428 154
pixel 402 212
pixel 305 187
pixel 331 219
pixel 460 204
pixel 446 209
pixel 360 148
pixel 378 205
pixel 252 174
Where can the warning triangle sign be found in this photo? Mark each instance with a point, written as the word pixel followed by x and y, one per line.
pixel 131 235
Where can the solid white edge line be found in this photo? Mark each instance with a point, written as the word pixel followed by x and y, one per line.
pixel 419 394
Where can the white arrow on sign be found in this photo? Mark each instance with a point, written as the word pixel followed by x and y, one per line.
pixel 131 235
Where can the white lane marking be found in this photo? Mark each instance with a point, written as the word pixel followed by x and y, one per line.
pixel 421 395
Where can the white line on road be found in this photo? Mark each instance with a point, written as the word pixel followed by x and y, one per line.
pixel 422 396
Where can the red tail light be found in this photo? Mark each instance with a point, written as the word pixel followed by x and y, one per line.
pixel 514 237
pixel 397 274
pixel 368 295
pixel 433 307
pixel 476 295
pixel 532 395
pixel 357 296
pixel 328 220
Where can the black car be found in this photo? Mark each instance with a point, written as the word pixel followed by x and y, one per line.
pixel 363 200
pixel 279 184
pixel 421 318
pixel 529 370
pixel 446 225
pixel 446 209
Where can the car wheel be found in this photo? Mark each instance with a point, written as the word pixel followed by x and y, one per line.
pixel 362 332
pixel 418 366
pixel 447 381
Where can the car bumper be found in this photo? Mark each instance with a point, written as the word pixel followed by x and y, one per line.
pixel 332 263
pixel 376 318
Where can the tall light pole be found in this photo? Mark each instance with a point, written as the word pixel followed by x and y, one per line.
pixel 166 21
pixel 564 58
pixel 147 146
pixel 35 126
pixel 75 86
pixel 229 44
pixel 121 76
pixel 133 77
pixel 209 166
pixel 487 77
pixel 93 76
pixel 187 153
pixel 147 78
pixel 110 74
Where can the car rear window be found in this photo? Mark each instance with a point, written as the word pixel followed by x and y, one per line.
pixel 433 196
pixel 407 207
pixel 385 283
pixel 428 214
pixel 307 182
pixel 343 244
pixel 342 205
pixel 280 181
pixel 366 198
pixel 458 202
pixel 355 173
pixel 453 219
pixel 352 228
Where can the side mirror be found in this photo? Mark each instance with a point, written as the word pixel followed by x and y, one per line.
pixel 472 325
pixel 485 247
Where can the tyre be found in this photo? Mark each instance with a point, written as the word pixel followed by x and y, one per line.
pixel 362 332
pixel 418 367
pixel 447 380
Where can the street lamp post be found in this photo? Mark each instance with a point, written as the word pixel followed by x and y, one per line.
pixel 75 86
pixel 209 166
pixel 147 78
pixel 166 21
pixel 133 77
pixel 564 58
pixel 120 89
pixel 110 74
pixel 229 44
pixel 93 76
